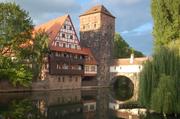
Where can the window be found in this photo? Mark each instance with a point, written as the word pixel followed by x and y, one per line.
pixel 57 43
pixel 86 68
pixel 63 35
pixel 84 27
pixel 70 28
pixel 94 25
pixel 64 45
pixel 64 26
pixel 75 46
pixel 57 66
pixel 71 37
pixel 59 79
pixel 69 45
pixel 93 69
pixel 79 68
pixel 65 66
pixel 91 107
pixel 76 79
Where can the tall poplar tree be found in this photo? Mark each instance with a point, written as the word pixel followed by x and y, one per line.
pixel 166 16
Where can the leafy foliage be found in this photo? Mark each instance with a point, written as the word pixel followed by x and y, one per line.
pixel 160 80
pixel 15 34
pixel 122 49
pixel 17 73
pixel 166 14
pixel 38 51
pixel 15 28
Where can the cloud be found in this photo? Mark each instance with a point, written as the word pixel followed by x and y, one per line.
pixel 133 18
pixel 43 10
pixel 140 30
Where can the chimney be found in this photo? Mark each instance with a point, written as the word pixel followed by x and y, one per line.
pixel 132 59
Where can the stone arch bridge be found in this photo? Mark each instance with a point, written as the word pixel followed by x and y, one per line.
pixel 129 68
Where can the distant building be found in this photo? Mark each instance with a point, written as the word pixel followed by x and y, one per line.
pixel 97 29
pixel 67 61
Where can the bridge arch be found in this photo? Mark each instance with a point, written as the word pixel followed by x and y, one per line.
pixel 123 88
pixel 132 77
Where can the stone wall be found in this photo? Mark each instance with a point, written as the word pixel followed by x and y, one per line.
pixel 99 38
pixel 51 82
pixel 64 82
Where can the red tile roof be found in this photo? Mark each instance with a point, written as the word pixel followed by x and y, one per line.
pixel 97 9
pixel 126 61
pixel 52 27
pixel 92 60
pixel 76 51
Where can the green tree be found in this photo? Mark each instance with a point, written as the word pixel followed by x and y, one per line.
pixel 15 28
pixel 160 80
pixel 39 51
pixel 166 93
pixel 122 49
pixel 15 37
pixel 166 16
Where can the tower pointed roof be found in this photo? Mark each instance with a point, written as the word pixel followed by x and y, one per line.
pixel 97 9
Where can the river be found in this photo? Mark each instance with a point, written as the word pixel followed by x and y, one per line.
pixel 66 104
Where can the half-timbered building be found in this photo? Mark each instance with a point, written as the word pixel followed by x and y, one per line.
pixel 67 62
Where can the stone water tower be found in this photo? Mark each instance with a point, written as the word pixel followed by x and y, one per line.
pixel 97 29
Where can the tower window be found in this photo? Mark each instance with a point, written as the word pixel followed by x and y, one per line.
pixel 94 25
pixel 84 27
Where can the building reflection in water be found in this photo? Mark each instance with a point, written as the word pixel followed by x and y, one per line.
pixel 68 104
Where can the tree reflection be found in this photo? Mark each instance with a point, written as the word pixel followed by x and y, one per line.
pixel 123 88
pixel 22 109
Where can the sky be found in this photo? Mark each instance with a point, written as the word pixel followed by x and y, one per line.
pixel 133 17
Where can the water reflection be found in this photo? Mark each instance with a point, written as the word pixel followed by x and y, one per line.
pixel 123 89
pixel 69 104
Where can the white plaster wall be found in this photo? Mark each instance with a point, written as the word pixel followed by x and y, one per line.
pixel 90 71
pixel 126 69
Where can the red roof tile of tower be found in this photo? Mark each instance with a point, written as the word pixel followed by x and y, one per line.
pixel 97 9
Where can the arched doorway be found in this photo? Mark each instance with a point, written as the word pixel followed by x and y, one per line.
pixel 123 88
